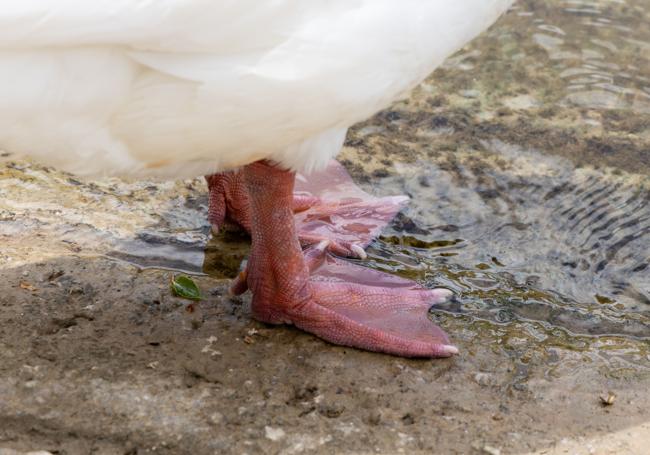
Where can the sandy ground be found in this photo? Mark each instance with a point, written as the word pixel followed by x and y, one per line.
pixel 631 440
pixel 96 366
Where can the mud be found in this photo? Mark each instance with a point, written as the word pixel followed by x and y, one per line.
pixel 526 160
pixel 98 357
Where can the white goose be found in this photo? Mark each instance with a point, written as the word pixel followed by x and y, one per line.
pixel 180 88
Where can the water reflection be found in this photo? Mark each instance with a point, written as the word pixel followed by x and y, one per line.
pixel 536 241
pixel 602 52
pixel 527 160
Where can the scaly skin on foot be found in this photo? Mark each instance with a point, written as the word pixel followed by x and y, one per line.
pixel 336 301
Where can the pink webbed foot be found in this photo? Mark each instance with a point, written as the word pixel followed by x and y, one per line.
pixel 342 213
pixel 327 206
pixel 355 306
pixel 337 301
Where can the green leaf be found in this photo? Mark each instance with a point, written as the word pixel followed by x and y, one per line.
pixel 183 286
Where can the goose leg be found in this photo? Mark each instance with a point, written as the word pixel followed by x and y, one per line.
pixel 346 305
pixel 229 204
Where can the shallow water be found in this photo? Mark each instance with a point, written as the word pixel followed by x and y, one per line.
pixel 527 158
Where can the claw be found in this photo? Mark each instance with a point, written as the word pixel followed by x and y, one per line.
pixel 444 293
pixel 449 349
pixel 358 251
pixel 239 284
pixel 322 246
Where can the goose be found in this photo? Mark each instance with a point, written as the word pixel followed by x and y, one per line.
pixel 251 94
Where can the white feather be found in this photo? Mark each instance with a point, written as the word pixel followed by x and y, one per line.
pixel 178 88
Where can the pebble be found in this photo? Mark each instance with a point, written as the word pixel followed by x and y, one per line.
pixel 484 379
pixel 274 434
